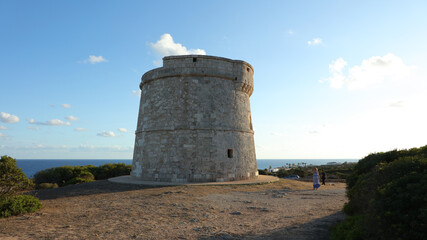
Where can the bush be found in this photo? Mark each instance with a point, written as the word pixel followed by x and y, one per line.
pixel 293 171
pixel 80 174
pixel 350 229
pixel 389 190
pixel 47 185
pixel 12 179
pixel 82 177
pixel 399 207
pixel 110 170
pixel 58 175
pixel 18 205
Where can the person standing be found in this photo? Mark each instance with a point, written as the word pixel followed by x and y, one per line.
pixel 316 183
pixel 323 177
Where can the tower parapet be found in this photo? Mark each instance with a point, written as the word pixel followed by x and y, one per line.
pixel 204 66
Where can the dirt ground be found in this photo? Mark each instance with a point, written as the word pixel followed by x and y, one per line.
pixel 286 209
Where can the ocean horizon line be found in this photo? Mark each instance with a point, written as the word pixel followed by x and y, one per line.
pixel 31 166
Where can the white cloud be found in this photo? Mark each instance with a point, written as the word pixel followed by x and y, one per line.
pixel 167 47
pixel 56 122
pixel 3 127
pixel 338 65
pixel 71 118
pixel 1 134
pixel 8 118
pixel 66 105
pixel 53 122
pixel 397 104
pixel 336 68
pixel 291 32
pixel 106 134
pixel 123 130
pixel 371 72
pixel 136 93
pixel 92 148
pixel 80 130
pixel 315 41
pixel 33 128
pixel 95 59
pixel 277 134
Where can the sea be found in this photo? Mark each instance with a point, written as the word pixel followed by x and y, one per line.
pixel 32 166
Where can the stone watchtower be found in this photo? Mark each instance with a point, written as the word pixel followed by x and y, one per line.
pixel 194 122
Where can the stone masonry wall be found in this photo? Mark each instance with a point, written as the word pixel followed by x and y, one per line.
pixel 194 121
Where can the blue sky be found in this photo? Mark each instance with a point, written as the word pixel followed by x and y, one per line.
pixel 333 79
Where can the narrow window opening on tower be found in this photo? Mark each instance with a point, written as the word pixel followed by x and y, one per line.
pixel 247 69
pixel 235 78
pixel 230 153
pixel 194 59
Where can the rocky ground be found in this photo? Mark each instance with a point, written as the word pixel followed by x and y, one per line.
pixel 287 209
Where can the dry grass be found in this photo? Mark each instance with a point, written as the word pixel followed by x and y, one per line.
pixel 286 209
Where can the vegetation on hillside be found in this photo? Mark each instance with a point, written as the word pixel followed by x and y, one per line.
pixel 340 171
pixel 62 176
pixel 387 197
pixel 12 182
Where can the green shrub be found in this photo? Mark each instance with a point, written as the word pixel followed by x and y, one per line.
pixel 302 172
pixel 110 170
pixel 399 208
pixel 58 175
pixel 350 229
pixel 20 204
pixel 390 191
pixel 47 185
pixel 368 163
pixel 80 174
pixel 12 179
pixel 82 177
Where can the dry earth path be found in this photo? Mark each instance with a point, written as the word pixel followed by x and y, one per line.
pixel 286 209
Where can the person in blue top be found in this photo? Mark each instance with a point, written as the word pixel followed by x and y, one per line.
pixel 316 182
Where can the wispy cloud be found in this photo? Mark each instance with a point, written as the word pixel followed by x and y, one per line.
pixel 3 127
pixel 8 118
pixel 5 137
pixel 124 130
pixel 94 59
pixel 167 47
pixel 371 72
pixel 315 41
pixel 106 134
pixel 91 148
pixel 53 122
pixel 65 105
pixel 80 130
pixel 290 32
pixel 71 118
pixel 67 148
pixel 33 128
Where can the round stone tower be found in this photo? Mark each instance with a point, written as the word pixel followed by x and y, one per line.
pixel 194 122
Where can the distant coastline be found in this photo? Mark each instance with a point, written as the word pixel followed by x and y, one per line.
pixel 31 166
